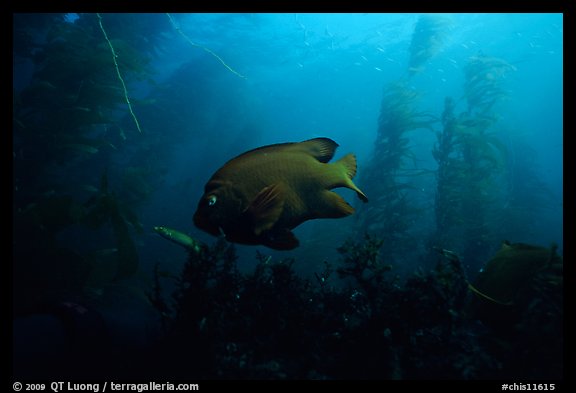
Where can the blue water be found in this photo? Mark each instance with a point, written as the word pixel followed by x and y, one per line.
pixel 310 75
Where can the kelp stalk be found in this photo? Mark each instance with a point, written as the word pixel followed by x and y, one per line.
pixel 179 30
pixel 114 56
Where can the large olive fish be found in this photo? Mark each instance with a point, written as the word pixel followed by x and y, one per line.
pixel 514 269
pixel 521 282
pixel 261 195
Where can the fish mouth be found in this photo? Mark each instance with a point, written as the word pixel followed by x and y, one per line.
pixel 207 226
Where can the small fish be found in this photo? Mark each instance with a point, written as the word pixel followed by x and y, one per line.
pixel 81 109
pixel 19 123
pixel 81 148
pixel 48 193
pixel 179 238
pixel 261 195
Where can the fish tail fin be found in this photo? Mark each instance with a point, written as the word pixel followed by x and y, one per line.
pixel 348 166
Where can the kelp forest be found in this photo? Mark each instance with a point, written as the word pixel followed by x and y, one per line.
pixel 438 276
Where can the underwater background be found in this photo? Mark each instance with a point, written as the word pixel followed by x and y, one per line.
pixel 452 270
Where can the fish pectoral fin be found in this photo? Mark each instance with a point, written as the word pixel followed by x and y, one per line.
pixel 281 240
pixel 266 207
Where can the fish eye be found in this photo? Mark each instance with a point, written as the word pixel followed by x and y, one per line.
pixel 212 200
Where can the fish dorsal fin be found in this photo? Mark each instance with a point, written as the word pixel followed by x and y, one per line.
pixel 506 245
pixel 266 208
pixel 281 240
pixel 322 149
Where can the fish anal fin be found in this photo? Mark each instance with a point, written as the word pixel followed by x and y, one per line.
pixel 266 208
pixel 281 240
pixel 332 205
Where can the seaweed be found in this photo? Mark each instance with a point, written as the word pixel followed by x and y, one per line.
pixel 362 323
pixel 62 119
pixel 355 319
pixel 429 35
pixel 471 161
pixel 483 82
pixel 392 210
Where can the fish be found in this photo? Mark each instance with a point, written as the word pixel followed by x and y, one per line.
pixel 179 238
pixel 519 279
pixel 81 148
pixel 258 197
pixel 508 275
